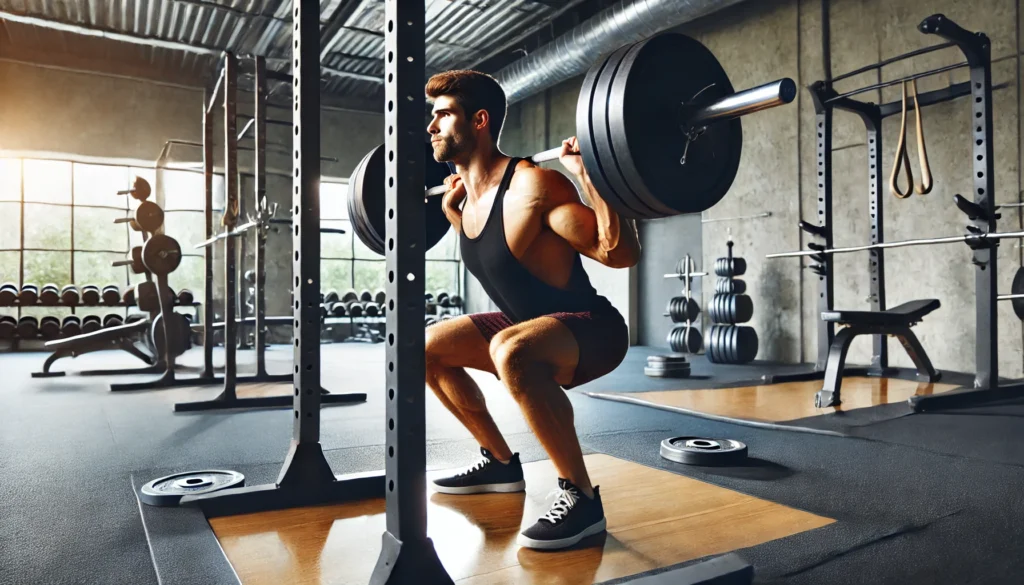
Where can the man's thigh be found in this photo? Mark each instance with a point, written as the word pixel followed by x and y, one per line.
pixel 464 342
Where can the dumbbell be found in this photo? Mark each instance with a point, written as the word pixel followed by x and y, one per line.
pixel 365 296
pixel 49 327
pixel 71 326
pixel 250 277
pixel 8 294
pixel 380 297
pixel 69 295
pixel 371 309
pixel 429 320
pixel 350 295
pixel 134 317
pixel 355 308
pixel 185 297
pixel 128 296
pixel 91 323
pixel 90 295
pixel 737 268
pixel 49 295
pixel 455 300
pixel 29 295
pixel 28 327
pixel 338 309
pixel 442 299
pixel 8 327
pixel 112 320
pixel 331 297
pixel 111 295
pixel 323 312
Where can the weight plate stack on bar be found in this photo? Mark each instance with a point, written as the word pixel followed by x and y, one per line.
pixel 727 342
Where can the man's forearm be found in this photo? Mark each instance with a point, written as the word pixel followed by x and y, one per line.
pixel 617 237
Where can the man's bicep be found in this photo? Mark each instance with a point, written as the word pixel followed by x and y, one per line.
pixel 576 224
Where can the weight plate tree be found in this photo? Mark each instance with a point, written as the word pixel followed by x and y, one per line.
pixel 728 343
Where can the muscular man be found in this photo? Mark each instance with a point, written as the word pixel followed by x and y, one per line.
pixel 521 231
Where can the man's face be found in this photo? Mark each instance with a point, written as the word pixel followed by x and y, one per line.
pixel 451 133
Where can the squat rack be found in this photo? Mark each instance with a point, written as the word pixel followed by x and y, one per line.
pixel 976 48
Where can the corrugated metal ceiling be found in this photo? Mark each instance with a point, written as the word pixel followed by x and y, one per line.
pixel 459 33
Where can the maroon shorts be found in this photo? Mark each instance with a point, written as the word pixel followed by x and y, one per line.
pixel 602 337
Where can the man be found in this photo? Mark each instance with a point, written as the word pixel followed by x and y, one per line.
pixel 521 231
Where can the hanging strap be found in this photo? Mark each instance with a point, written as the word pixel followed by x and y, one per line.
pixel 902 158
pixel 922 154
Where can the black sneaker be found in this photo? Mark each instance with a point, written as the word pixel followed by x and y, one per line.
pixel 572 518
pixel 487 476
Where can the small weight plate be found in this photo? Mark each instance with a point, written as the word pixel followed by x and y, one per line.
pixel 161 254
pixel 703 451
pixel 587 140
pixel 149 216
pixel 1018 288
pixel 646 125
pixel 168 490
pixel 672 358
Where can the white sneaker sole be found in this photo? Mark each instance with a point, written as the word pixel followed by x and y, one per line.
pixel 488 488
pixel 527 542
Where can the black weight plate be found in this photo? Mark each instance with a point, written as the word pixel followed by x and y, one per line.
pixel 585 136
pixel 703 451
pixel 599 114
pixel 693 339
pixel 372 202
pixel 660 373
pixel 713 346
pixel 161 254
pixel 355 185
pixel 732 346
pixel 747 344
pixel 739 266
pixel 620 149
pixel 672 339
pixel 743 308
pixel 168 490
pixel 178 333
pixel 648 93
pixel 1018 288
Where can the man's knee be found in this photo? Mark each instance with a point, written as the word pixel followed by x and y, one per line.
pixel 513 355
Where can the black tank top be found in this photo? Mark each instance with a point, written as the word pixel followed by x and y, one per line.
pixel 518 293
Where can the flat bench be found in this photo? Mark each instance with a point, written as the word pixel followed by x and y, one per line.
pixel 896 321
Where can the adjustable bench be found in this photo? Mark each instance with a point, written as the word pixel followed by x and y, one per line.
pixel 895 321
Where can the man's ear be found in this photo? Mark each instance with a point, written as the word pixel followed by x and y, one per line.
pixel 481 119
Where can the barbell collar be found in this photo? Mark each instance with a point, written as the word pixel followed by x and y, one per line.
pixel 969 238
pixel 745 102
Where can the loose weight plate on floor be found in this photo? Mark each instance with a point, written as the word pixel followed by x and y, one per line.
pixel 667 366
pixel 703 451
pixel 168 490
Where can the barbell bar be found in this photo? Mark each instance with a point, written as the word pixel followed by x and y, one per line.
pixel 245 227
pixel 732 106
pixel 967 238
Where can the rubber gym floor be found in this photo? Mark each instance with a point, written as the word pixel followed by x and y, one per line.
pixel 883 496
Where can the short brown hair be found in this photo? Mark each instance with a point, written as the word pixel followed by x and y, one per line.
pixel 473 91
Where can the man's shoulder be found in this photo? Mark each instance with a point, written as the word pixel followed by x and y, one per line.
pixel 547 187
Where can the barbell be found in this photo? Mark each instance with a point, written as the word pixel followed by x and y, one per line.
pixel 974 240
pixel 654 144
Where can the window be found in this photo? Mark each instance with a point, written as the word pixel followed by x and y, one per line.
pixel 68 211
pixel 347 263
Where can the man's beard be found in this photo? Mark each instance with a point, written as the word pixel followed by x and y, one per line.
pixel 450 147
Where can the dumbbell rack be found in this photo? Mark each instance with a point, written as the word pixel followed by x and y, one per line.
pixel 684 337
pixel 727 342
